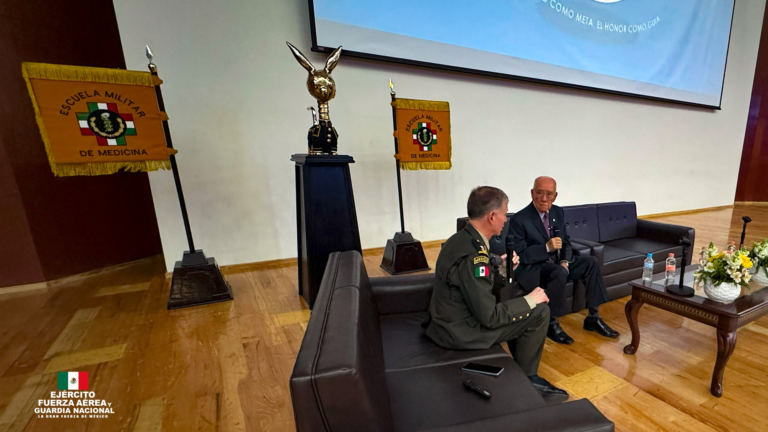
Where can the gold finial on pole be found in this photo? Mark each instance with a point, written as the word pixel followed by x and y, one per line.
pixel 150 56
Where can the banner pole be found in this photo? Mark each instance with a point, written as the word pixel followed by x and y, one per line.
pixel 197 279
pixel 397 160
pixel 174 167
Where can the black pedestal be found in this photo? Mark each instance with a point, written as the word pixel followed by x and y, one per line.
pixel 197 280
pixel 325 216
pixel 403 254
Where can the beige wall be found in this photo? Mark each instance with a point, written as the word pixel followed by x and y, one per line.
pixel 237 103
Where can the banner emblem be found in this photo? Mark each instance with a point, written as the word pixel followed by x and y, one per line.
pixel 105 122
pixel 425 136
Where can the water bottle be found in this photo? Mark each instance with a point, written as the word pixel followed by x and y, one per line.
pixel 703 257
pixel 731 247
pixel 648 268
pixel 669 270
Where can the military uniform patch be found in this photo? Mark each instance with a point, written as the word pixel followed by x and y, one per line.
pixel 482 271
pixel 481 259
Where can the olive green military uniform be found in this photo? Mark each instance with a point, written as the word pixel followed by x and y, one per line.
pixel 465 314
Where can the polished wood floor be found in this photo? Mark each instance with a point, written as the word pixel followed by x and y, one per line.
pixel 225 367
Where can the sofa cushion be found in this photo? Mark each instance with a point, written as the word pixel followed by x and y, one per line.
pixel 406 346
pixel 433 397
pixel 581 222
pixel 659 250
pixel 616 260
pixel 617 220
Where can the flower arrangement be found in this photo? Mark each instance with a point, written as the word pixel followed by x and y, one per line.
pixel 759 256
pixel 724 267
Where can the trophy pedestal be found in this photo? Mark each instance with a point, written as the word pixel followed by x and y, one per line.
pixel 196 281
pixel 403 254
pixel 326 219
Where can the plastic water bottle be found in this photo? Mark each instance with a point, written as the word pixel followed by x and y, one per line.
pixel 648 268
pixel 669 270
pixel 703 257
pixel 731 247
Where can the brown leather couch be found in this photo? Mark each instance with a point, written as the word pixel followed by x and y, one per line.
pixel 366 365
pixel 612 233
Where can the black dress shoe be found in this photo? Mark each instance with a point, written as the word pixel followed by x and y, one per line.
pixel 545 387
pixel 597 325
pixel 557 334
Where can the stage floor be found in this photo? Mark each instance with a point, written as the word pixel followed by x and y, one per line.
pixel 225 367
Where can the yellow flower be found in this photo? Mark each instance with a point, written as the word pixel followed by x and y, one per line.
pixel 746 262
pixel 720 255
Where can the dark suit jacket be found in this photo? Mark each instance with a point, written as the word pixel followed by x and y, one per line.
pixel 529 239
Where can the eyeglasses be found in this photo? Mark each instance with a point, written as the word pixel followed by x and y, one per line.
pixel 541 193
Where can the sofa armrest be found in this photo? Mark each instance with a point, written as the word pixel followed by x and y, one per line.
pixel 666 233
pixel 403 294
pixel 596 249
pixel 576 416
pixel 579 249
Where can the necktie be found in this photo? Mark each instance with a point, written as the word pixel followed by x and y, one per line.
pixel 545 219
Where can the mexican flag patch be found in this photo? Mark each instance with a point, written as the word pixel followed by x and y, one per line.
pixel 482 271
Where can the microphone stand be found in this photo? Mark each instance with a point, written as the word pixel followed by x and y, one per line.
pixel 746 220
pixel 682 290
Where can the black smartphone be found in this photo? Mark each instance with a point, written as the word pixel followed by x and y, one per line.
pixel 483 369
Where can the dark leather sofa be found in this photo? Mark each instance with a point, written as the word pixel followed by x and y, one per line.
pixel 612 233
pixel 366 365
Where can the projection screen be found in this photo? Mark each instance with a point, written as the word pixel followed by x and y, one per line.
pixel 673 50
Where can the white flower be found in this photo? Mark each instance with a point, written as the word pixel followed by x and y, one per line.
pixel 747 277
pixel 736 278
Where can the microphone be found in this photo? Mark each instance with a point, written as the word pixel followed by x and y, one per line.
pixel 556 233
pixel 510 270
pixel 746 220
pixel 681 289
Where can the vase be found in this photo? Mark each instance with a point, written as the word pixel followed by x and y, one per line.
pixel 759 278
pixel 726 292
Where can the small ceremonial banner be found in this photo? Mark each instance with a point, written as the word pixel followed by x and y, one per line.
pixel 97 121
pixel 423 134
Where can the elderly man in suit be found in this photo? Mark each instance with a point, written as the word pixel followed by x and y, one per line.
pixel 540 239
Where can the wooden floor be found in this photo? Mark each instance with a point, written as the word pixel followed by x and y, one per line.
pixel 225 367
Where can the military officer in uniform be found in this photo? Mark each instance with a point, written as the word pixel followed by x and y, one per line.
pixel 465 314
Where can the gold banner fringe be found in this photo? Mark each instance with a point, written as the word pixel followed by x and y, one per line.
pixel 105 168
pixel 88 74
pixel 415 104
pixel 412 166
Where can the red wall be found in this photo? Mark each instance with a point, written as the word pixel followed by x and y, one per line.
pixel 52 227
pixel 752 184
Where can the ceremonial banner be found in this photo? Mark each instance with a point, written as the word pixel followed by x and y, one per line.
pixel 97 121
pixel 423 134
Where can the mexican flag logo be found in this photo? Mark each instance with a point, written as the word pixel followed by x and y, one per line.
pixel 106 123
pixel 73 380
pixel 424 136
pixel 481 271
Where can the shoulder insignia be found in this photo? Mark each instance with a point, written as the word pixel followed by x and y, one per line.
pixel 481 259
pixel 480 247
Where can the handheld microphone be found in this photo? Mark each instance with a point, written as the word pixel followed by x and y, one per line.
pixel 746 220
pixel 510 270
pixel 556 233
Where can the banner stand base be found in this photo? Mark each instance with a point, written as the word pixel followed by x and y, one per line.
pixel 196 281
pixel 404 254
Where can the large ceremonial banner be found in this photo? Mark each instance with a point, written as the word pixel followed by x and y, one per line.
pixel 423 134
pixel 97 121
